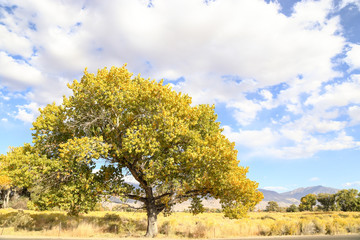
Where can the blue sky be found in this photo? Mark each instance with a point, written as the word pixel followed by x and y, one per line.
pixel 284 75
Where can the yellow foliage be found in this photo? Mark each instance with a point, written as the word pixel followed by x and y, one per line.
pixel 175 150
pixel 5 182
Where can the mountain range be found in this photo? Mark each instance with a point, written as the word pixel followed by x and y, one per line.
pixel 285 199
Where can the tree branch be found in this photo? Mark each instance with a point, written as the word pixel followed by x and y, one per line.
pixel 135 197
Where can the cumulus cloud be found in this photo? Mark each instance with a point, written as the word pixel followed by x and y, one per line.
pixel 243 54
pixel 14 44
pixel 27 113
pixel 354 113
pixel 17 74
pixel 337 95
pixel 214 37
pixel 347 2
pixel 353 57
pixel 252 139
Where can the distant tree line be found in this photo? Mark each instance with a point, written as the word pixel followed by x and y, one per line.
pixel 346 200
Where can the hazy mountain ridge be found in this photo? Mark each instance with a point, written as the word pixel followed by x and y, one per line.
pixel 285 199
pixel 301 192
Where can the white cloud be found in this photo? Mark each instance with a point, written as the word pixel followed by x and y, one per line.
pixel 248 40
pixel 17 74
pixel 245 111
pixel 314 124
pixel 25 116
pixel 27 113
pixel 4 120
pixel 252 138
pixel 352 184
pixel 216 38
pixel 353 57
pixel 337 95
pixel 14 44
pixel 314 179
pixel 344 3
pixel 311 145
pixel 312 12
pixel 354 113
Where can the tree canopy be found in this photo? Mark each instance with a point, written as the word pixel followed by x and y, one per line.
pixel 174 150
pixel 348 200
pixel 327 201
pixel 307 202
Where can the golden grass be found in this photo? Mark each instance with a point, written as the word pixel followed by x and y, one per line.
pixel 177 225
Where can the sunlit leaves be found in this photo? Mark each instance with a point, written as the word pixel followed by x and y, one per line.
pixel 139 126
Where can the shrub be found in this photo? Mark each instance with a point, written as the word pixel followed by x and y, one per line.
pixel 307 227
pixel 320 227
pixel 22 220
pixel 292 208
pixel 200 230
pixel 165 228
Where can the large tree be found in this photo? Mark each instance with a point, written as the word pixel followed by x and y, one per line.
pixel 175 151
pixel 327 201
pixel 348 200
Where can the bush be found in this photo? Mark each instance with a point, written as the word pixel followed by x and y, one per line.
pixel 23 221
pixel 320 227
pixel 165 228
pixel 199 232
pixel 307 228
pixel 292 208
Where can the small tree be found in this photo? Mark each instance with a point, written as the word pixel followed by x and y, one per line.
pixel 292 208
pixel 307 202
pixel 272 207
pixel 175 151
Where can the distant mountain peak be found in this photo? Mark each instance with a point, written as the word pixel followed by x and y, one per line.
pixel 294 196
pixel 301 192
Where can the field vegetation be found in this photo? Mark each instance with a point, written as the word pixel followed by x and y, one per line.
pixel 177 225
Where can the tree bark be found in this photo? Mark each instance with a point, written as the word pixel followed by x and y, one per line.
pixel 152 229
pixel 7 198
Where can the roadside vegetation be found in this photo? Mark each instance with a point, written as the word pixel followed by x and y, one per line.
pixel 177 225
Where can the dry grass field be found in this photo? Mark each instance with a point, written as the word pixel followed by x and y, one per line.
pixel 177 225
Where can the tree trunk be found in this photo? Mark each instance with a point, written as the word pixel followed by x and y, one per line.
pixel 7 198
pixel 152 229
